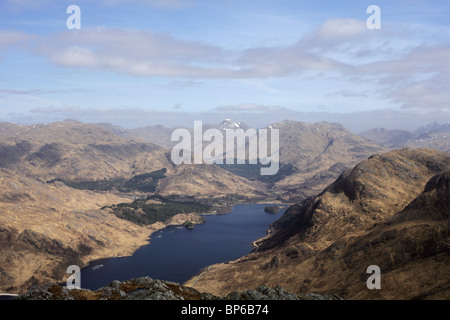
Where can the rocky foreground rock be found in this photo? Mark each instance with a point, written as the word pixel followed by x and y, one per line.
pixel 146 288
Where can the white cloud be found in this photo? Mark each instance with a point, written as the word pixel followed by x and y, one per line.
pixel 135 52
pixel 57 110
pixel 414 76
pixel 27 4
pixel 340 29
pixel 270 62
pixel 348 94
pixel 422 96
pixel 143 53
pixel 74 57
pixel 419 79
pixel 8 38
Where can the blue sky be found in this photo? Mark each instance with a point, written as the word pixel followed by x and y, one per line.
pixel 145 62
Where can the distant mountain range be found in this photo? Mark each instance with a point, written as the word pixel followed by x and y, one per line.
pixel 311 155
pixel 73 150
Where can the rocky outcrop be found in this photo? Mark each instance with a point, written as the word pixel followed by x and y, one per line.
pixel 277 293
pixel 146 288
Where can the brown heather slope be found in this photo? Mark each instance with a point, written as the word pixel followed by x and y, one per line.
pixel 209 181
pixel 391 210
pixel 8 129
pixel 44 228
pixel 73 150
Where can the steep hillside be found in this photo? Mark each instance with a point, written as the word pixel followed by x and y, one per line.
pixel 44 228
pixel 390 210
pixel 209 181
pixel 56 177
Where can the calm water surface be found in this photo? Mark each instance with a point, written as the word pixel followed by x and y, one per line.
pixel 176 253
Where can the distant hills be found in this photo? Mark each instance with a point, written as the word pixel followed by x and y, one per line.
pixel 433 135
pixel 73 150
pixel 160 135
pixel 391 210
pixel 311 156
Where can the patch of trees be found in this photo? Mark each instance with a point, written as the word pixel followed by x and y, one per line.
pixel 156 208
pixel 147 182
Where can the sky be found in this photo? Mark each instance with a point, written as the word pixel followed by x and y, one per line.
pixel 135 63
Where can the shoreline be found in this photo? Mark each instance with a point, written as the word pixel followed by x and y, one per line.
pixel 176 220
pixel 146 237
pixel 179 219
pixel 192 281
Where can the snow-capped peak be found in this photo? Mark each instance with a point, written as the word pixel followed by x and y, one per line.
pixel 230 124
